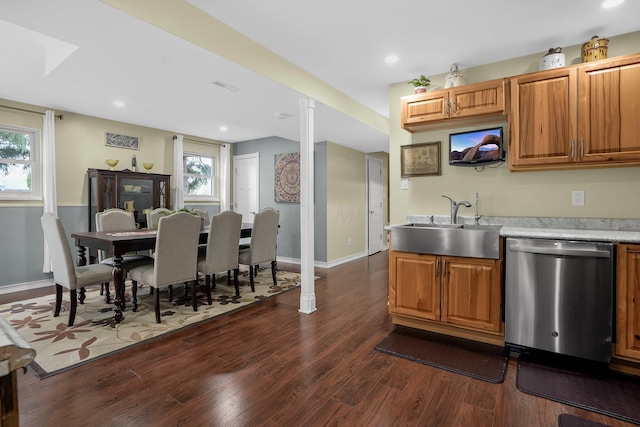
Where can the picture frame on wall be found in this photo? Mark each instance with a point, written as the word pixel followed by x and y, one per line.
pixel 121 141
pixel 420 159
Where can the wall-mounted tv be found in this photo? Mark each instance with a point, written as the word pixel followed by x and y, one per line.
pixel 477 147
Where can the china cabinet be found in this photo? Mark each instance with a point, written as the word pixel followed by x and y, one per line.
pixel 133 191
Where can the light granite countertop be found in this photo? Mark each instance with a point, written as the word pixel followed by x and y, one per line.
pixel 589 229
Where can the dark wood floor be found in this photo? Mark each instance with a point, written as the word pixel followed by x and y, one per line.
pixel 271 366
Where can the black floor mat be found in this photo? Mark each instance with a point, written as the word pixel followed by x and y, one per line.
pixel 478 360
pixel 581 384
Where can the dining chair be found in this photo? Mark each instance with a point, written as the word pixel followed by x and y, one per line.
pixel 118 220
pixel 222 249
pixel 203 214
pixel 262 248
pixel 154 216
pixel 65 273
pixel 175 258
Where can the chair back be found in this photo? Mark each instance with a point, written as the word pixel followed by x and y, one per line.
pixel 176 254
pixel 154 216
pixel 203 214
pixel 223 240
pixel 61 259
pixel 114 220
pixel 264 236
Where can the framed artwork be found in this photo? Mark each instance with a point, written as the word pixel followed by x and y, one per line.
pixel 121 141
pixel 287 178
pixel 420 159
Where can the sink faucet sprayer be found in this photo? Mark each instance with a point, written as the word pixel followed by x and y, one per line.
pixel 478 216
pixel 454 208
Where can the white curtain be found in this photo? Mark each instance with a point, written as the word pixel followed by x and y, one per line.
pixel 49 200
pixel 225 177
pixel 178 173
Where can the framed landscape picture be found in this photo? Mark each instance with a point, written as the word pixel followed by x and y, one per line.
pixel 420 159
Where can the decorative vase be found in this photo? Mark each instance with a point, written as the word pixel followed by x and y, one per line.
pixel 553 59
pixel 420 89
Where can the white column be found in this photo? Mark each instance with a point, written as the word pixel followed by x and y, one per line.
pixel 307 257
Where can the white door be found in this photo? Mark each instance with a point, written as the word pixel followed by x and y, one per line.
pixel 374 202
pixel 246 175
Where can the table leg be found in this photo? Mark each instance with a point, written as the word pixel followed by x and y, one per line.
pixel 81 259
pixel 118 283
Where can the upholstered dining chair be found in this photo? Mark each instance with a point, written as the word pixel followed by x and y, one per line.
pixel 262 248
pixel 154 216
pixel 222 249
pixel 175 258
pixel 118 220
pixel 202 214
pixel 65 274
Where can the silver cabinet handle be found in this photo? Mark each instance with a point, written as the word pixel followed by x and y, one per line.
pixel 573 149
pixel 446 106
pixel 582 148
pixel 453 106
pixel 444 268
pixel 437 267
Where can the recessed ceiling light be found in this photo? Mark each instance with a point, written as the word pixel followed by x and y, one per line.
pixel 611 3
pixel 391 59
pixel 281 116
pixel 223 128
pixel 119 104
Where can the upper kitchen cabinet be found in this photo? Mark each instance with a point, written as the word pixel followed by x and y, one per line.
pixel 473 101
pixel 577 116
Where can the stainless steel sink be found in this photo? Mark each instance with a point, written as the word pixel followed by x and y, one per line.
pixel 464 240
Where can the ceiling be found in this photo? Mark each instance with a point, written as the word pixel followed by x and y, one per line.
pixel 82 55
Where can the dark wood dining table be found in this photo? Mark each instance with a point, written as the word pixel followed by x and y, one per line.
pixel 121 242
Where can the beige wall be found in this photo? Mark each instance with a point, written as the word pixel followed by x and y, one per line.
pixel 609 193
pixel 346 211
pixel 80 144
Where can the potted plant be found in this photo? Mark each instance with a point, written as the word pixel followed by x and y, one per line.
pixel 420 84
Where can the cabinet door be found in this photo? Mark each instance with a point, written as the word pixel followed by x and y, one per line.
pixel 628 302
pixel 543 118
pixel 472 294
pixel 477 99
pixel 414 288
pixel 609 114
pixel 424 107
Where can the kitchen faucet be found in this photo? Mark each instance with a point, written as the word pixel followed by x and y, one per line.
pixel 454 208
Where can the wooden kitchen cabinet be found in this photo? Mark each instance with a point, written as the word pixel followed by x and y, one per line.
pixel 454 291
pixel 585 115
pixel 476 100
pixel 628 303
pixel 472 293
pixel 113 189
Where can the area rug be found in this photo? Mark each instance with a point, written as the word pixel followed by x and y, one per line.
pixel 95 334
pixel 474 359
pixel 581 384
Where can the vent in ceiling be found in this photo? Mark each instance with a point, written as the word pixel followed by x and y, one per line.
pixel 226 86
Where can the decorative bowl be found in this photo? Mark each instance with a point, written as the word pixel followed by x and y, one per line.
pixel 111 163
pixel 147 166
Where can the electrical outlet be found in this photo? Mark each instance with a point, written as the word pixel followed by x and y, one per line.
pixel 577 198
pixel 349 242
pixel 404 184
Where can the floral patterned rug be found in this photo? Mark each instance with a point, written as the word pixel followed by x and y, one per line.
pixel 95 334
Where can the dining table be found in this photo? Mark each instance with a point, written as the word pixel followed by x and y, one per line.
pixel 119 243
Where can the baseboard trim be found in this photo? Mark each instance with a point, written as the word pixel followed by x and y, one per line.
pixel 27 286
pixel 324 264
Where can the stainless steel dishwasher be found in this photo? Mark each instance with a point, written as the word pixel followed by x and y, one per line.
pixel 559 296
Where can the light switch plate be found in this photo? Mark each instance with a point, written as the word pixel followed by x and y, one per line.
pixel 577 198
pixel 404 184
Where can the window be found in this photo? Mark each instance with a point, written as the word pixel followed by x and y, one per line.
pixel 200 180
pixel 19 163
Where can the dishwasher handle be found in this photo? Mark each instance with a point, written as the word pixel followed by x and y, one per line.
pixel 585 251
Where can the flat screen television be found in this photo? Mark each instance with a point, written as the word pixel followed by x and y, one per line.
pixel 477 147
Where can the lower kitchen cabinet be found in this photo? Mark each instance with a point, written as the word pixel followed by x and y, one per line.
pixel 451 291
pixel 628 303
